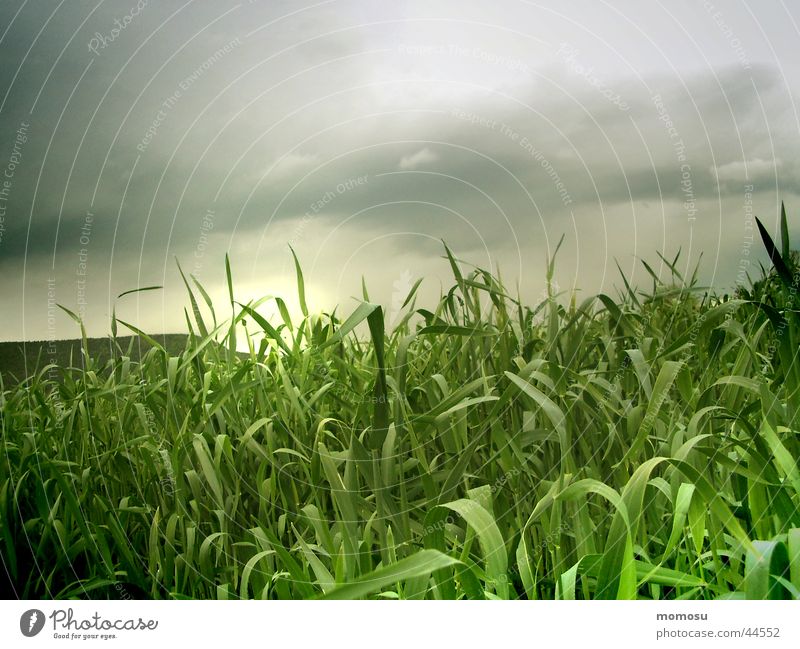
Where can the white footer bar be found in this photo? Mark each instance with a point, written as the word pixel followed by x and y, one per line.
pixel 390 624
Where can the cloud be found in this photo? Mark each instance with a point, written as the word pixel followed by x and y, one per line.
pixel 420 158
pixel 292 164
pixel 521 158
pixel 747 170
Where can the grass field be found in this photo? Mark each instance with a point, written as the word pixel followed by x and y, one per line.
pixel 638 446
pixel 18 360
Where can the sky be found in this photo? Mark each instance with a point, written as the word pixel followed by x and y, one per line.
pixel 136 135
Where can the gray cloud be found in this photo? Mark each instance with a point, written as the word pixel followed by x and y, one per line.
pixel 363 134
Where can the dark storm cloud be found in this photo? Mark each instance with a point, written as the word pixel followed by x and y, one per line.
pixel 188 129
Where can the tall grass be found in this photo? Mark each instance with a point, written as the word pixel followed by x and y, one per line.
pixel 642 446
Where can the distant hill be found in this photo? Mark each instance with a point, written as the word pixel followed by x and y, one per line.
pixel 19 360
